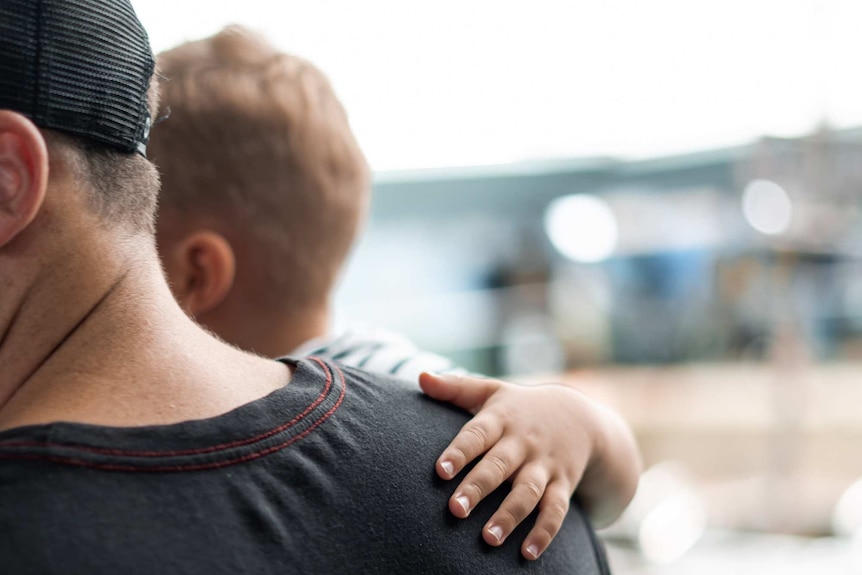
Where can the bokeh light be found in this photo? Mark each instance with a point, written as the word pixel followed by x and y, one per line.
pixel 767 207
pixel 582 227
pixel 847 516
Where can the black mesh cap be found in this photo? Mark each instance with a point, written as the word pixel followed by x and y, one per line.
pixel 78 66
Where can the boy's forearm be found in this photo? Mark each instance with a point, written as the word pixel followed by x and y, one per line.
pixel 615 464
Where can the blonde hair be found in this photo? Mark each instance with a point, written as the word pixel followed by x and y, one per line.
pixel 258 140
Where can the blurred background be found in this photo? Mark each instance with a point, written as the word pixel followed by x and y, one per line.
pixel 657 200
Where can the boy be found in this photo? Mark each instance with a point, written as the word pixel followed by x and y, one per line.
pixel 264 191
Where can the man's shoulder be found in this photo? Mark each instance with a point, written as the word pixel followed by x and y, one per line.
pixel 388 404
pixel 397 433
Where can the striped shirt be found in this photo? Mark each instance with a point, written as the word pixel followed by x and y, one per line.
pixel 378 351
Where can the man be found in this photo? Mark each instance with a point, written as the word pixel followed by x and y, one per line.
pixel 131 441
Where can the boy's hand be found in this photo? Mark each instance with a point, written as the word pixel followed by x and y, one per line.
pixel 544 438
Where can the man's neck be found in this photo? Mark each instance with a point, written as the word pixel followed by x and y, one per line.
pixel 113 348
pixel 48 310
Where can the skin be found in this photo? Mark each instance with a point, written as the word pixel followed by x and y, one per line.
pixel 549 440
pixel 84 305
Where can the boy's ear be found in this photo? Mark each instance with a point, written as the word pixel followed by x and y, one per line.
pixel 23 174
pixel 201 269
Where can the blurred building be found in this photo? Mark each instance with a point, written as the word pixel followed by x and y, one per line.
pixel 698 257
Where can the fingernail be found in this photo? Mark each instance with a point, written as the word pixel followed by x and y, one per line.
pixel 448 468
pixel 496 532
pixel 533 550
pixel 464 503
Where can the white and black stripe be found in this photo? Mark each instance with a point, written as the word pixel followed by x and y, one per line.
pixel 378 351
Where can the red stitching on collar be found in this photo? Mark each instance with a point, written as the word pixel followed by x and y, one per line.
pixel 190 467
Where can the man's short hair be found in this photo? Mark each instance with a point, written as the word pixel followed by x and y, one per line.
pixel 121 188
pixel 258 140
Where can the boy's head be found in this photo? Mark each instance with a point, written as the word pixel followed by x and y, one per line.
pixel 264 186
pixel 77 101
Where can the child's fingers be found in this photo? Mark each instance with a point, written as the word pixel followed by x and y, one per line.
pixel 465 391
pixel 474 439
pixel 552 512
pixel 527 490
pixel 492 470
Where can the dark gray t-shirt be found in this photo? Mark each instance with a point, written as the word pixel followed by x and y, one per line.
pixel 332 474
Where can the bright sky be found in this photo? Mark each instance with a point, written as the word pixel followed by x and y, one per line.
pixel 467 82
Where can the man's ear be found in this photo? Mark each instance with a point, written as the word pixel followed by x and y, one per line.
pixel 23 174
pixel 201 269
